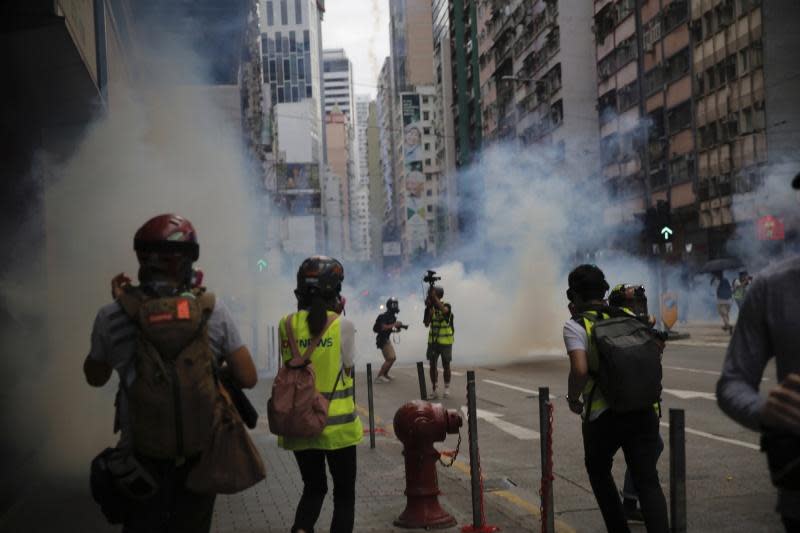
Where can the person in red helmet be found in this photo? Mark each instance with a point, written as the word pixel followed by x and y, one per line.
pixel 164 410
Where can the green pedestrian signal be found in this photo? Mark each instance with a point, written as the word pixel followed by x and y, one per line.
pixel 666 231
pixel 261 265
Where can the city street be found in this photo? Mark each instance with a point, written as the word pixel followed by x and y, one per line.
pixel 727 484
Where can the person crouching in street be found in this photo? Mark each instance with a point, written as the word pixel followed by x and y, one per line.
pixel 606 429
pixel 439 318
pixel 385 324
pixel 319 283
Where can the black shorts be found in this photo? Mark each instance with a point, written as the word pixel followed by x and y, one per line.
pixel 435 350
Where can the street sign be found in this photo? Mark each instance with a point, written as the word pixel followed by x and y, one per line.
pixel 261 265
pixel 666 231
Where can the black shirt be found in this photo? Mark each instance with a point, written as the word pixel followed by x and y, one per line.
pixel 383 336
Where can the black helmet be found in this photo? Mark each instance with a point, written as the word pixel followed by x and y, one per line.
pixel 393 305
pixel 588 282
pixel 319 275
pixel 631 296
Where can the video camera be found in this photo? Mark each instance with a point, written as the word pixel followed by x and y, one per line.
pixel 431 278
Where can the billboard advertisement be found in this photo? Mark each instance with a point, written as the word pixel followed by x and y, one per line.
pixel 413 195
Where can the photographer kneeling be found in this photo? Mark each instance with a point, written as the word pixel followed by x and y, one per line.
pixel 385 324
pixel 439 318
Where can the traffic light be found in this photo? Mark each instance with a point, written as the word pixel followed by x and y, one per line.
pixel 650 225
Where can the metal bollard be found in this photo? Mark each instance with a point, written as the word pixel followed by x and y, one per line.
pixel 423 392
pixel 545 443
pixel 677 470
pixel 371 407
pixel 474 457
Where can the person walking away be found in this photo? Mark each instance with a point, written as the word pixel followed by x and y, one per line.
pixel 724 295
pixel 319 283
pixel 767 328
pixel 143 330
pixel 740 285
pixel 608 426
pixel 439 319
pixel 385 324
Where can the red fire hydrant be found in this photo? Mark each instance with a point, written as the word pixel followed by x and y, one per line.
pixel 418 425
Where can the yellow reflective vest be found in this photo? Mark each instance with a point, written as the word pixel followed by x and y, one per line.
pixel 344 426
pixel 441 329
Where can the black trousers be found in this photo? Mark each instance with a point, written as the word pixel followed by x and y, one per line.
pixel 174 509
pixel 342 464
pixel 637 435
pixel 792 525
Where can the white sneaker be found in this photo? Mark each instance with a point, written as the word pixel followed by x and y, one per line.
pixel 381 379
pixel 433 395
pixel 446 392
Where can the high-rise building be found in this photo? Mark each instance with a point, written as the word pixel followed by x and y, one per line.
pixel 415 110
pixel 292 63
pixel 338 183
pixel 377 188
pixel 390 233
pixel 534 64
pixel 338 81
pixel 745 102
pixel 360 208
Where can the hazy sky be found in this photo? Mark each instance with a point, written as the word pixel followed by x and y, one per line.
pixel 361 27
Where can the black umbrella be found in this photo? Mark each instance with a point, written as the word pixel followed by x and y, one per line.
pixel 717 265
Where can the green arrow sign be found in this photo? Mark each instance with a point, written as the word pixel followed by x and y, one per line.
pixel 666 231
pixel 262 265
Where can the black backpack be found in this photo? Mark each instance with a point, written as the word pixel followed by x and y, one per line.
pixel 629 355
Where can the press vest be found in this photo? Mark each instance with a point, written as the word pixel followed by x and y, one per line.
pixel 441 331
pixel 344 427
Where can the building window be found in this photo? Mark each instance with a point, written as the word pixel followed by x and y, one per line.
pixel 287 72
pixel 679 117
pixel 292 42
pixel 653 79
pixel 301 74
pixel 628 96
pixel 427 146
pixel 281 95
pixel 430 210
pixel 676 13
pixel 298 12
pixel 284 14
pixel 428 177
pixel 677 65
pixel 426 115
pixel 308 91
pixel 430 192
pixel 427 162
pixel 270 15
pixel 272 71
pixel 426 131
pixel 278 42
pixel 295 95
pixel 306 40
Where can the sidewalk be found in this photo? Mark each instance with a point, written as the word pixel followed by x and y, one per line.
pixel 703 333
pixel 270 506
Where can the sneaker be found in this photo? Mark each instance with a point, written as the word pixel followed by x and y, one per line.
pixel 433 395
pixel 632 512
pixel 446 392
pixel 390 378
pixel 381 379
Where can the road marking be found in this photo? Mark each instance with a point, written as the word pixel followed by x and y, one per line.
pixel 690 394
pixel 698 371
pixel 512 387
pixel 708 344
pixel 512 429
pixel 735 442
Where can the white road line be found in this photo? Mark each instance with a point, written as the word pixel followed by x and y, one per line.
pixel 512 429
pixel 707 344
pixel 690 394
pixel 512 387
pixel 698 371
pixel 735 442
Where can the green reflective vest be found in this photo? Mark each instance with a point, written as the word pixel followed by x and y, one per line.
pixel 441 328
pixel 344 426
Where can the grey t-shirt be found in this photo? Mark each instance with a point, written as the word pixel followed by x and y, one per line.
pixel 768 326
pixel 114 342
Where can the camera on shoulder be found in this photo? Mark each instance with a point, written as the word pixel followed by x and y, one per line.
pixel 431 278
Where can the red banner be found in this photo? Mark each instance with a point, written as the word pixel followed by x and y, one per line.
pixel 769 228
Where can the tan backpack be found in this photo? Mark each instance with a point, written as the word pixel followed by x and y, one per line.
pixel 173 398
pixel 296 409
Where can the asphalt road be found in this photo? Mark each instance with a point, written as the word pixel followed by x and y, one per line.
pixel 728 488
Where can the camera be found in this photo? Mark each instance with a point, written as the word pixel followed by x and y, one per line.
pixel 431 278
pixel 402 327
